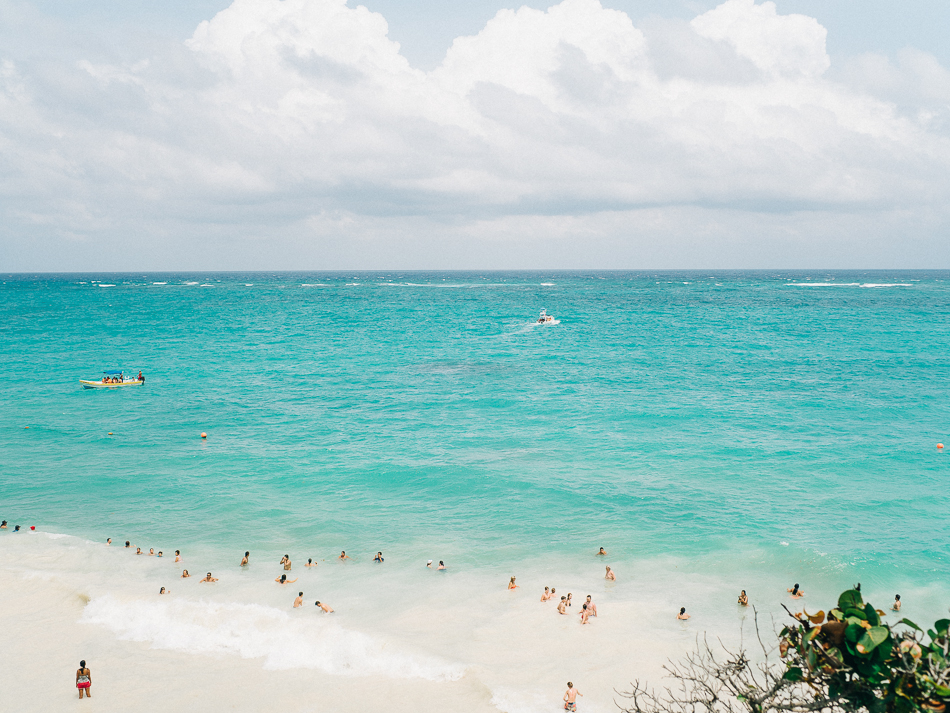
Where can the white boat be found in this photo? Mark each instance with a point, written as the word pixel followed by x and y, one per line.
pixel 545 318
pixel 113 380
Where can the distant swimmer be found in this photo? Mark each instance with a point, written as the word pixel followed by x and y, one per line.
pixel 591 607
pixel 511 584
pixel 184 574
pixel 164 591
pixel 311 563
pixel 138 550
pixel 83 680
pixel 16 528
pixel 796 592
pixel 743 599
pixel 378 558
pixel 108 539
pixel 298 602
pixel 569 598
pixel 562 607
pixel 208 578
pixel 602 551
pixel 897 603
pixel 429 564
pixel 285 560
pixel 682 614
pixel 553 592
pixel 326 607
pixel 585 614
pixel 343 556
pixel 570 697
pixel 127 545
pixel 151 552
pixel 546 595
pixel 3 526
pixel 245 558
pixel 159 554
pixel 610 575
pixel 178 555
pixel 441 565
pixel 282 579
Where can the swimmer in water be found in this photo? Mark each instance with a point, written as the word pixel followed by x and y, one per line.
pixel 591 607
pixel 108 539
pixel 208 578
pixel 796 592
pixel 511 584
pixel 743 599
pixel 178 555
pixel 682 614
pixel 282 579
pixel 127 545
pixel 298 602
pixel 429 564
pixel 311 563
pixel 3 525
pixel 897 603
pixel 245 558
pixel 562 607
pixel 570 698
pixel 585 614
pixel 441 565
pixel 159 553
pixel 378 559
pixel 285 560
pixel 327 609
pixel 184 574
pixel 343 556
pixel 138 550
pixel 164 591
pixel 553 592
pixel 602 552
pixel 151 552
pixel 569 599
pixel 546 595
pixel 610 575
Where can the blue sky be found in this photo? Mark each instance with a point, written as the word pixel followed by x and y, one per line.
pixel 626 133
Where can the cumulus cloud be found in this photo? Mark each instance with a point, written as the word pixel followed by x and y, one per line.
pixel 299 123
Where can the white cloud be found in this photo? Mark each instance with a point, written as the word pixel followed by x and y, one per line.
pixel 284 112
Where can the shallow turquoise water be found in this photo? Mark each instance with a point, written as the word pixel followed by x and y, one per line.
pixel 667 414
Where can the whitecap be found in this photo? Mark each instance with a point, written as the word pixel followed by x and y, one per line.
pixel 104 285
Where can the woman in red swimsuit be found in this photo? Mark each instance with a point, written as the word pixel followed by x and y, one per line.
pixel 83 680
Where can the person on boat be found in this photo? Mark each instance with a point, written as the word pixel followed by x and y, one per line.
pixel 105 379
pixel 141 377
pixel 83 680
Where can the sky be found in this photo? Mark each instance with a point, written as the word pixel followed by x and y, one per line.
pixel 582 134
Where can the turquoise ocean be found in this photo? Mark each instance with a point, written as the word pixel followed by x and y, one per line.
pixel 741 429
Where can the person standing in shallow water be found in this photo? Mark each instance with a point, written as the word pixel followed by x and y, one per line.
pixel 83 680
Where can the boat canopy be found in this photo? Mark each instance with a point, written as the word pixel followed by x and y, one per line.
pixel 113 372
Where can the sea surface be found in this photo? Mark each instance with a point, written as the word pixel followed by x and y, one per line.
pixel 745 429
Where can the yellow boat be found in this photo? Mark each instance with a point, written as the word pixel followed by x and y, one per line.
pixel 112 380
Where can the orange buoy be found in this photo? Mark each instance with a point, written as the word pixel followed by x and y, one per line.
pixel 110 433
pixel 939 446
pixel 204 435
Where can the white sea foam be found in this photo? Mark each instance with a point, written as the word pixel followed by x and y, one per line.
pixel 102 285
pixel 314 284
pixel 159 283
pixel 547 284
pixel 255 631
pixel 849 284
pixel 191 283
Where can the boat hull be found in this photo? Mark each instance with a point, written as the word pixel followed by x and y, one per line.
pixel 100 385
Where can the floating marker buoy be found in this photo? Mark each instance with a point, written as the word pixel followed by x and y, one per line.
pixel 26 427
pixel 110 433
pixel 204 435
pixel 939 446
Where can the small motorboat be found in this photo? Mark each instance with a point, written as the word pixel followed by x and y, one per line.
pixel 114 379
pixel 545 318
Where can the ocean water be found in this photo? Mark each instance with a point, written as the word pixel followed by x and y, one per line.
pixel 712 430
